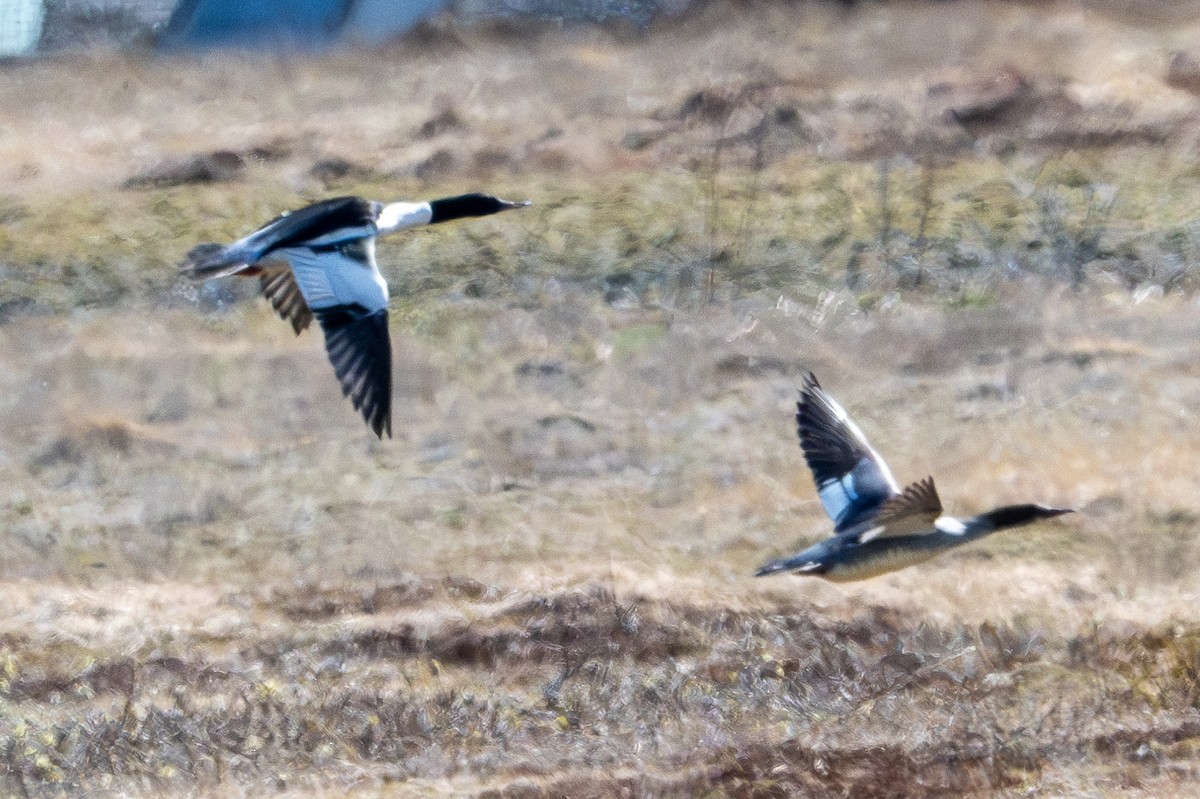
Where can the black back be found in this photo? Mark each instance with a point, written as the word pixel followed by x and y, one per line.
pixel 318 219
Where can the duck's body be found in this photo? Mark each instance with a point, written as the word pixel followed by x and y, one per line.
pixel 877 527
pixel 320 261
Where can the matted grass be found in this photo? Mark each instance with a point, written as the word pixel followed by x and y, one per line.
pixel 217 577
pixel 218 583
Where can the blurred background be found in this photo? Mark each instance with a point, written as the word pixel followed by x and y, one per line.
pixel 974 220
pixel 30 28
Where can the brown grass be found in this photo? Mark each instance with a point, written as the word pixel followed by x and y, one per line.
pixel 217 582
pixel 543 585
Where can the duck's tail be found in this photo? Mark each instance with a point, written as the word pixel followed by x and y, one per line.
pixel 802 563
pixel 206 261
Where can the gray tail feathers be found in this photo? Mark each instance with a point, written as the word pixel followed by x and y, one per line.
pixel 803 563
pixel 774 566
pixel 212 260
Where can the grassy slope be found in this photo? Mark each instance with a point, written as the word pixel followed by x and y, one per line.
pixel 773 156
pixel 540 587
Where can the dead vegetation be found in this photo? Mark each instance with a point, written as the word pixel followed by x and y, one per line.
pixel 217 583
pixel 543 585
pixel 584 692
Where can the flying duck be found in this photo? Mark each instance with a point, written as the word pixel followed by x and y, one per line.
pixel 877 527
pixel 320 261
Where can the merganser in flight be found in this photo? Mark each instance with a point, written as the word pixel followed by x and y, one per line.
pixel 877 527
pixel 320 260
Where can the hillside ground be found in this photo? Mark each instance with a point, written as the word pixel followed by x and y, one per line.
pixel 973 221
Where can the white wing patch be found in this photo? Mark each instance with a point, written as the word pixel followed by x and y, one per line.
pixel 949 525
pixel 263 239
pixel 341 235
pixel 852 480
pixel 874 532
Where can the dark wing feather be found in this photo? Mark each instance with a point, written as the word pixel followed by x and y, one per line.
pixel 361 353
pixel 279 287
pixel 852 480
pixel 912 511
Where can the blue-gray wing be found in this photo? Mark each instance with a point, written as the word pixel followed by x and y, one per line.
pixel 299 280
pixel 852 480
pixel 361 353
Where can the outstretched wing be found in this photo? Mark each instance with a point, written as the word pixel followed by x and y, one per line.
pixel 914 510
pixel 321 260
pixel 341 285
pixel 852 480
pixel 361 353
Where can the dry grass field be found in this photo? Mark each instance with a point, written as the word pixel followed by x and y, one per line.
pixel 974 221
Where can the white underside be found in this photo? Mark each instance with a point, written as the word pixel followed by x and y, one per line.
pixel 882 563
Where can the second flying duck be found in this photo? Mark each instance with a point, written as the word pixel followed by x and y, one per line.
pixel 877 527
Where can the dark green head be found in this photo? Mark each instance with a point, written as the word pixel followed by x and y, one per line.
pixel 1015 516
pixel 449 208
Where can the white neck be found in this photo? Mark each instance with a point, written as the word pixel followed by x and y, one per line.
pixel 401 216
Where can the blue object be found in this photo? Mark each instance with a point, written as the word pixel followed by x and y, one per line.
pixel 286 24
pixel 20 26
pixel 376 21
